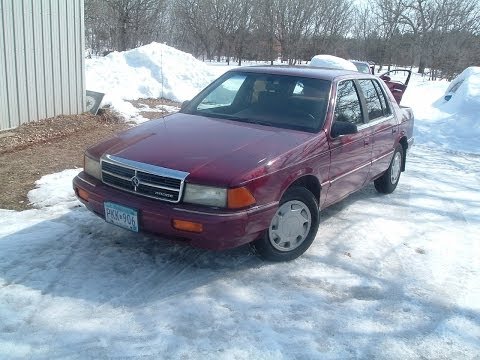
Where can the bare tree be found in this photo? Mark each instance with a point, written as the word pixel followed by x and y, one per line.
pixel 431 20
pixel 134 20
pixel 291 23
pixel 365 37
pixel 331 23
pixel 123 24
pixel 195 17
pixel 441 35
pixel 388 14
pixel 242 29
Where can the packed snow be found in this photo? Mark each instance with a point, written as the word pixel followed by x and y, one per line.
pixel 332 62
pixel 392 277
pixel 150 71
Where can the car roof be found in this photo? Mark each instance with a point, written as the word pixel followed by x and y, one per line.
pixel 301 71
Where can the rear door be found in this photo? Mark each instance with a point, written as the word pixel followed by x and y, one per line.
pixel 397 81
pixel 382 122
pixel 350 154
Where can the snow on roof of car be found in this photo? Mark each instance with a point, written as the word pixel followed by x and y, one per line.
pixel 332 62
pixel 298 70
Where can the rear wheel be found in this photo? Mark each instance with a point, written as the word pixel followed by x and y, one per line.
pixel 388 182
pixel 292 228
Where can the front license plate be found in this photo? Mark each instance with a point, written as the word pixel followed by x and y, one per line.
pixel 122 216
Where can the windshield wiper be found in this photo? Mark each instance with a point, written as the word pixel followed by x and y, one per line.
pixel 235 118
pixel 249 120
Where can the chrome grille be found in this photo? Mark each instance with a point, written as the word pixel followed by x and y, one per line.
pixel 143 179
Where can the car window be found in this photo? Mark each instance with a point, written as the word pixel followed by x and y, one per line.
pixel 298 90
pixel 383 99
pixel 374 106
pixel 224 94
pixel 455 87
pixel 348 108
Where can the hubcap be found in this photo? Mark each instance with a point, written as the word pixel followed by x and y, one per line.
pixel 290 226
pixel 396 165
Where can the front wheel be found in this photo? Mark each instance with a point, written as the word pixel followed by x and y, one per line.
pixel 292 228
pixel 387 183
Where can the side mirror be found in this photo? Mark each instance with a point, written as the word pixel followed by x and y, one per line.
pixel 343 128
pixel 184 104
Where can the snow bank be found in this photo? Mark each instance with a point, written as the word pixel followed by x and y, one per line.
pixel 150 71
pixel 54 189
pixel 332 62
pixel 453 124
pixel 465 91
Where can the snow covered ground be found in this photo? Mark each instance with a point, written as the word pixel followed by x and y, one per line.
pixel 392 277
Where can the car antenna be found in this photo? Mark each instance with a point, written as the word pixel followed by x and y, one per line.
pixel 161 66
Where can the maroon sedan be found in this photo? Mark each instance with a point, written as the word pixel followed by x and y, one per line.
pixel 251 159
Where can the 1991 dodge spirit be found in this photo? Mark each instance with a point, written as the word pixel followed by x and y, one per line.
pixel 251 159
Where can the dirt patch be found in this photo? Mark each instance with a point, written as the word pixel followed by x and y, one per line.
pixel 152 102
pixel 155 108
pixel 47 146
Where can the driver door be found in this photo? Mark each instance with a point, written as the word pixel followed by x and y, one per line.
pixel 350 154
pixel 397 81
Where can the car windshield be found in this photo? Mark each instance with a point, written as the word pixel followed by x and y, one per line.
pixel 289 102
pixel 362 67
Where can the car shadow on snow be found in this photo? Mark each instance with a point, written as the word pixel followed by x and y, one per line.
pixel 79 255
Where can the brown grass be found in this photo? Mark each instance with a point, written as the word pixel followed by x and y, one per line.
pixel 47 146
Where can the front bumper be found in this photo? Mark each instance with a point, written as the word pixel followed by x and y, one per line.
pixel 222 229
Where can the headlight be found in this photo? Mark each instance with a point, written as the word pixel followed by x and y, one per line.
pixel 92 167
pixel 205 195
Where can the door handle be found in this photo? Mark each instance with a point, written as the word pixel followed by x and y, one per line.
pixel 394 130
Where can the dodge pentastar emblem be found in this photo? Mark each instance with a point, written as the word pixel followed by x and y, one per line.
pixel 135 181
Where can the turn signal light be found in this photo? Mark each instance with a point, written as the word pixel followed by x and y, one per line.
pixel 82 194
pixel 187 226
pixel 239 198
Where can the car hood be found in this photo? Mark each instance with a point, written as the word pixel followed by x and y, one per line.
pixel 214 151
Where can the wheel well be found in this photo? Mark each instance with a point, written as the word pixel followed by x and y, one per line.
pixel 403 141
pixel 311 183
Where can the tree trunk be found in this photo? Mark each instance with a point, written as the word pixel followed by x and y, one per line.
pixel 421 66
pixel 122 38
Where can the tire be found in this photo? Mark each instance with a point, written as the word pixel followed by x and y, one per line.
pixel 292 229
pixel 388 182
